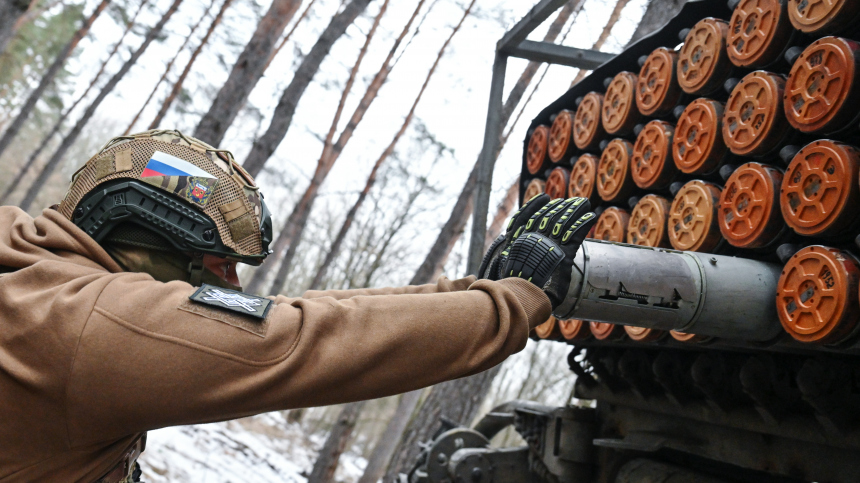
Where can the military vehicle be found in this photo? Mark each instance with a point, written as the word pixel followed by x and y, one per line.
pixel 713 315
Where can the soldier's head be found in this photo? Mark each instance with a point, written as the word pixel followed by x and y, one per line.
pixel 172 206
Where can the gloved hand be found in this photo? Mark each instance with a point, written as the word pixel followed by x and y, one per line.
pixel 496 255
pixel 543 253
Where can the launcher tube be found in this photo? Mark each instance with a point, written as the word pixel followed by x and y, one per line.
pixel 700 293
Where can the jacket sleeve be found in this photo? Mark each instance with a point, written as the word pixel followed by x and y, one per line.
pixel 148 357
pixel 442 285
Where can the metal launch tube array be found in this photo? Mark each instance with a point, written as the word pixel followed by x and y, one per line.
pixel 734 157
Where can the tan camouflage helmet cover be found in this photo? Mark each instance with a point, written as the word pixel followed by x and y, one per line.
pixel 205 178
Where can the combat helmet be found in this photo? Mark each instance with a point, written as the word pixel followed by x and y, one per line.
pixel 164 190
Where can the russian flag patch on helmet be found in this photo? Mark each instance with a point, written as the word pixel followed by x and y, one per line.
pixel 179 177
pixel 163 164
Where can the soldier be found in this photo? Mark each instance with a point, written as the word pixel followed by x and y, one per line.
pixel 120 312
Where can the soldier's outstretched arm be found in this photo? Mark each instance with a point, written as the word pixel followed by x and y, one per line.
pixel 150 357
pixel 443 284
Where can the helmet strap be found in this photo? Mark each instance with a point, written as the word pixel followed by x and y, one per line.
pixel 195 270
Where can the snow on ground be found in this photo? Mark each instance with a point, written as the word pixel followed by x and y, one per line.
pixel 264 448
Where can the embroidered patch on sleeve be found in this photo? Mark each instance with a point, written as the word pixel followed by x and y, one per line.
pixel 240 302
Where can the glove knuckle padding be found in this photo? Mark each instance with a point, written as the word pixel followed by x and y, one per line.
pixel 527 210
pixel 494 259
pixel 534 257
pixel 543 254
pixel 537 218
pixel 577 232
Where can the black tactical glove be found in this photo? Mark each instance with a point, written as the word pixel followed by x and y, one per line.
pixel 495 257
pixel 543 253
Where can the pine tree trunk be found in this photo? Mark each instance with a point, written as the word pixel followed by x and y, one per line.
pixel 168 67
pixel 49 75
pixel 456 222
pixel 10 12
pixel 506 206
pixel 335 444
pixel 177 86
pixel 263 147
pixel 371 180
pixel 384 449
pixel 286 241
pixel 289 34
pixel 328 156
pixel 246 72
pixel 72 136
pixel 301 220
pixel 23 170
pixel 492 231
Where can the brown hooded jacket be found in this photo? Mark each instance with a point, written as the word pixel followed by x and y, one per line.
pixel 91 356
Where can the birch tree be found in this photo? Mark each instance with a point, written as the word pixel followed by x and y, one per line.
pixel 246 72
pixel 49 76
pixel 72 136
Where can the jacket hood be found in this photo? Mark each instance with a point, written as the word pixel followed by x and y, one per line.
pixel 24 241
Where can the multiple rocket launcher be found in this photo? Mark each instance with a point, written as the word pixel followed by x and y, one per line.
pixel 727 180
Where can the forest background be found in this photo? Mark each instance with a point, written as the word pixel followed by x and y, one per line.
pixel 395 91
